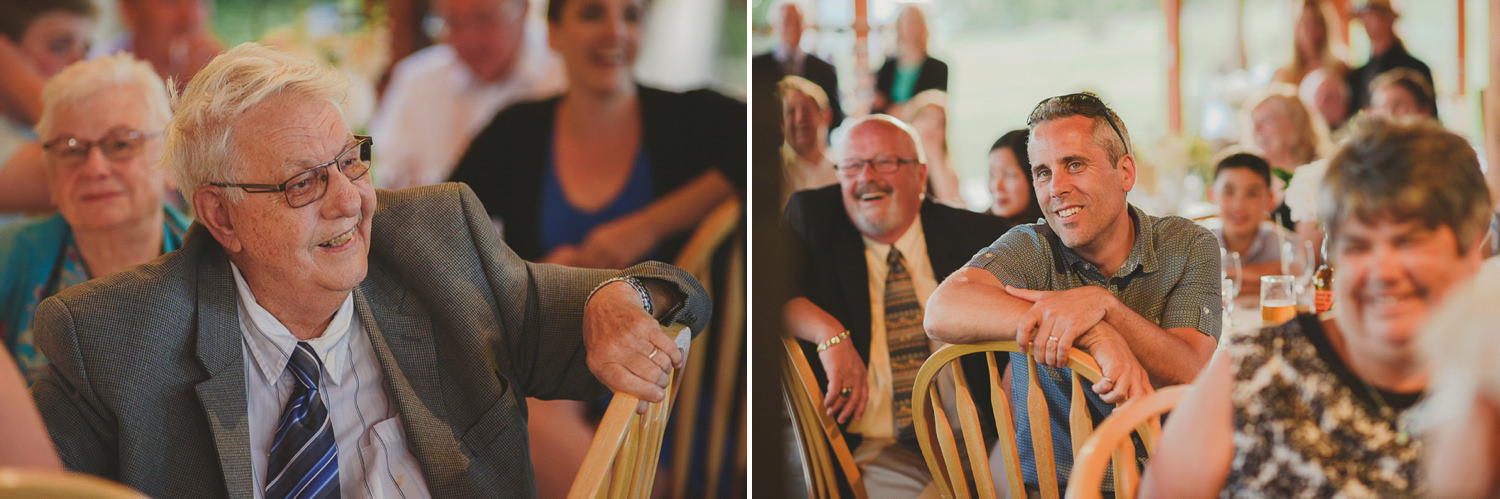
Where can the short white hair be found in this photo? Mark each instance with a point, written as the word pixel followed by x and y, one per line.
pixel 794 83
pixel 911 133
pixel 79 81
pixel 197 141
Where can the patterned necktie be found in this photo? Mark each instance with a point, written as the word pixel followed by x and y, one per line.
pixel 905 340
pixel 304 461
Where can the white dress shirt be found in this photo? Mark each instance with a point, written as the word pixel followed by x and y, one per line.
pixel 435 105
pixel 372 455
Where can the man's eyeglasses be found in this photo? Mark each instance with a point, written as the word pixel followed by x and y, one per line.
pixel 310 185
pixel 850 168
pixel 119 144
pixel 1093 107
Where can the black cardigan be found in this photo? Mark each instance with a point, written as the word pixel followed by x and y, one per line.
pixel 933 75
pixel 684 134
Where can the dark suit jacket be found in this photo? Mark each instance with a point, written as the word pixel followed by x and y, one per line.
pixel 934 75
pixel 836 279
pixel 147 380
pixel 684 134
pixel 814 69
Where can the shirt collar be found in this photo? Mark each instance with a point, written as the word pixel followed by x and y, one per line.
pixel 907 243
pixel 1142 251
pixel 271 343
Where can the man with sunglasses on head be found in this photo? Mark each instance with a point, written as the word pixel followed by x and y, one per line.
pixel 874 250
pixel 1139 293
pixel 315 338
pixel 100 125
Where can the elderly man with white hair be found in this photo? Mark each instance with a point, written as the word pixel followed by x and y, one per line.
pixel 874 251
pixel 110 210
pixel 315 338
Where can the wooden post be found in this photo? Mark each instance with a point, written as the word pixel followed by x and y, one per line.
pixel 1491 112
pixel 1173 11
pixel 1462 53
pixel 864 81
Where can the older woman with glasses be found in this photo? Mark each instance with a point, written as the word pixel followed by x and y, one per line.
pixel 100 124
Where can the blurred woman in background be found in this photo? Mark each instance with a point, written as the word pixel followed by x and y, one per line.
pixel 1010 180
pixel 40 38
pixel 1313 47
pixel 928 113
pixel 1283 131
pixel 910 71
pixel 1402 92
pixel 101 123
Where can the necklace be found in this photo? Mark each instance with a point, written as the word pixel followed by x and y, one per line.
pixel 1386 412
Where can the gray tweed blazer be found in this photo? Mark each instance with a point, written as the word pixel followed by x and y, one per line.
pixel 147 382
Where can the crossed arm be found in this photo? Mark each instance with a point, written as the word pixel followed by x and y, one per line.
pixel 972 306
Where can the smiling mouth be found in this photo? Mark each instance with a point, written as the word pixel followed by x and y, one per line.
pixel 1068 212
pixel 340 239
pixel 873 196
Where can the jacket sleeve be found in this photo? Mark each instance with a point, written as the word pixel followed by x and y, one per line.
pixel 542 306
pixel 80 426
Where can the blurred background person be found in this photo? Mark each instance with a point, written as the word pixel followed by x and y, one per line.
pixel 101 126
pixel 805 116
pixel 1013 197
pixel 441 96
pixel 1402 92
pixel 1241 191
pixel 1313 46
pixel 1282 131
pixel 910 70
pixel 1326 92
pixel 172 35
pixel 927 112
pixel 1387 51
pixel 788 58
pixel 41 37
pixel 605 175
pixel 1461 417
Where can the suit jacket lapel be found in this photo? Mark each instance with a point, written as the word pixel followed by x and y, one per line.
pixel 408 361
pixel 941 250
pixel 223 393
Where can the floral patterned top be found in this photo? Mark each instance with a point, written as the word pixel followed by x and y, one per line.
pixel 1305 426
pixel 39 258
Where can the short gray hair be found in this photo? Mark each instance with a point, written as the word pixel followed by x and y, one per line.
pixel 1406 169
pixel 1109 130
pixel 80 80
pixel 198 148
pixel 911 133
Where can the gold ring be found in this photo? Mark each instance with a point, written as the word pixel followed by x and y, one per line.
pixel 844 392
pixel 1106 378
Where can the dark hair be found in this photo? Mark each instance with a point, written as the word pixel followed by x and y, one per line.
pixel 1109 130
pixel 1411 81
pixel 1407 169
pixel 1015 141
pixel 1253 162
pixel 17 15
pixel 555 8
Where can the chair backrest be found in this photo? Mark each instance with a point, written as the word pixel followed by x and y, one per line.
pixel 940 447
pixel 728 341
pixel 822 446
pixel 29 483
pixel 1112 440
pixel 621 461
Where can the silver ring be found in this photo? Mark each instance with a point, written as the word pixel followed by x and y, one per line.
pixel 1051 338
pixel 653 354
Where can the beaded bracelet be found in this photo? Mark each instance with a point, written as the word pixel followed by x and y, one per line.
pixel 836 339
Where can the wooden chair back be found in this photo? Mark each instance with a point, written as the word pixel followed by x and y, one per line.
pixel 30 483
pixel 1112 440
pixel 622 459
pixel 822 447
pixel 940 446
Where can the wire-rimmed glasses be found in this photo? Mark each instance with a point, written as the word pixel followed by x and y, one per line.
pixel 310 185
pixel 119 144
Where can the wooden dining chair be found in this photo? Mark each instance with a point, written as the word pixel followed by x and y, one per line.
pixel 622 459
pixel 1112 440
pixel 31 483
pixel 941 448
pixel 726 346
pixel 824 453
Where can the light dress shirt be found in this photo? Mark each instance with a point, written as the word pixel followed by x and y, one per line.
pixel 373 458
pixel 435 105
pixel 797 174
pixel 878 424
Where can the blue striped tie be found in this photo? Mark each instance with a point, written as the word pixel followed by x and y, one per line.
pixel 304 461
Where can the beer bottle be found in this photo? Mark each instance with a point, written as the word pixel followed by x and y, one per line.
pixel 1323 283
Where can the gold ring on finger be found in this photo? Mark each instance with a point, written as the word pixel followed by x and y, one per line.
pixel 845 391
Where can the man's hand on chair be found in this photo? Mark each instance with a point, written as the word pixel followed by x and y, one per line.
pixel 627 349
pixel 1124 378
pixel 847 390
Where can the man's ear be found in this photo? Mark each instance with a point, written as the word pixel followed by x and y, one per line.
pixel 213 212
pixel 1127 172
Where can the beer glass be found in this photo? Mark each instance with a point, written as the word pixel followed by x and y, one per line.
pixel 1278 298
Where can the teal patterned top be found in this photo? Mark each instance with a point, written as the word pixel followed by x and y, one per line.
pixel 39 258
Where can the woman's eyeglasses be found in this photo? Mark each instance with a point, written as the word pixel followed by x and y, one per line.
pixel 120 144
